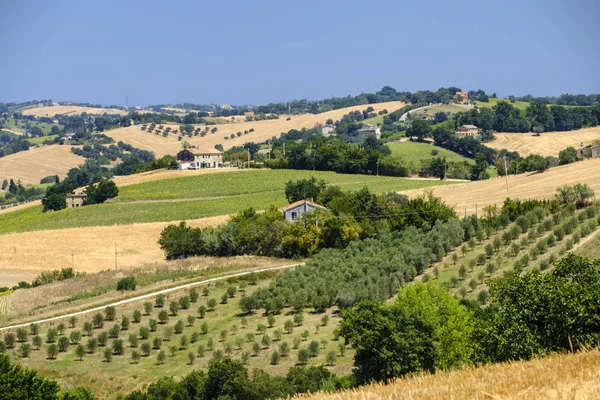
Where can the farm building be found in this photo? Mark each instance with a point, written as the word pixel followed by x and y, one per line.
pixel 196 159
pixel 369 130
pixel 589 151
pixel 75 200
pixel 468 130
pixel 296 210
pixel 461 97
pixel 327 129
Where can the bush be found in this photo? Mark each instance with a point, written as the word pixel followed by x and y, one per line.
pixel 128 283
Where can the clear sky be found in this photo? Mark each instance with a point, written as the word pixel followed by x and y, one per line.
pixel 254 52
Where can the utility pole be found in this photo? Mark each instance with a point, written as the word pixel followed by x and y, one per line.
pixel 283 149
pixel 248 158
pixel 506 173
pixel 73 260
pixel 377 166
pixel 116 263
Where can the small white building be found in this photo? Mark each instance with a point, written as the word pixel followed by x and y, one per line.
pixel 196 159
pixel 75 200
pixel 468 130
pixel 295 210
pixel 327 129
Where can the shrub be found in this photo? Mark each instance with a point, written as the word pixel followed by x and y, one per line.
pixel 127 283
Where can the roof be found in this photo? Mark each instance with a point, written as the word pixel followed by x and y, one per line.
pixel 301 202
pixel 469 127
pixel 203 151
pixel 77 195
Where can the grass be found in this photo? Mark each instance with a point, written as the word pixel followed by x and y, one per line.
pixel 38 141
pixel 591 248
pixel 414 152
pixel 211 194
pixel 521 105
pixel 19 125
pixel 121 376
pixel 377 120
pixel 445 108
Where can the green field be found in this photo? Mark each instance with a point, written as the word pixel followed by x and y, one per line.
pixel 521 105
pixel 38 141
pixel 231 333
pixel 211 194
pixel 19 125
pixel 414 152
pixel 445 108
pixel 378 120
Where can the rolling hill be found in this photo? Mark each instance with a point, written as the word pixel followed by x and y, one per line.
pixel 472 196
pixel 51 111
pixel 547 144
pixel 263 130
pixel 36 163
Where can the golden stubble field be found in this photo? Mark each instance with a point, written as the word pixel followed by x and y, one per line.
pixel 51 111
pixel 263 130
pixel 475 195
pixel 93 247
pixel 559 376
pixel 36 163
pixel 548 144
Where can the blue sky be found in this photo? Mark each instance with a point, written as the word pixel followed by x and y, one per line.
pixel 243 52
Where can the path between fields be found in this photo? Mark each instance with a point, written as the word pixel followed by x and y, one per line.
pixel 148 295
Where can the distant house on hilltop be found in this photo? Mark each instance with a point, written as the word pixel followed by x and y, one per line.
pixel 469 130
pixel 196 159
pixel 461 97
pixel 295 210
pixel 589 151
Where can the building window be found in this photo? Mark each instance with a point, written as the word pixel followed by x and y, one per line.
pixel 294 215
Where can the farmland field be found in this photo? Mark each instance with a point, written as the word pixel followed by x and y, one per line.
pixel 194 197
pixel 227 331
pixel 521 105
pixel 445 108
pixel 467 197
pixel 263 130
pixel 547 144
pixel 34 164
pixel 51 111
pixel 414 152
pixel 558 376
pixel 38 141
pixel 18 126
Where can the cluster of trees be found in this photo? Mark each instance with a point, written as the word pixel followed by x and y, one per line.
pixel 538 117
pixel 565 99
pixel 350 123
pixel 14 145
pixel 350 216
pixel 16 192
pixel 229 379
pixel 427 329
pixel 368 269
pixel 106 154
pixel 100 192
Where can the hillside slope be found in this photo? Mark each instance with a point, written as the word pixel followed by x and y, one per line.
pixel 561 376
pixel 36 163
pixel 468 197
pixel 51 111
pixel 547 144
pixel 263 130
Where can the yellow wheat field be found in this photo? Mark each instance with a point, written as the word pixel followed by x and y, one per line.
pixel 51 111
pixel 548 144
pixel 263 130
pixel 93 247
pixel 34 164
pixel 561 376
pixel 473 196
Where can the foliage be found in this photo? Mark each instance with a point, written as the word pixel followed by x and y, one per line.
pixel 17 382
pixel 425 329
pixel 304 189
pixel 127 283
pixel 579 194
pixel 102 191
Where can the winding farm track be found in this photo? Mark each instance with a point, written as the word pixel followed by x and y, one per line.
pixel 148 295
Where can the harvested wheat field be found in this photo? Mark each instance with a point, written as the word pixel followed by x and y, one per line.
pixel 468 197
pixel 547 144
pixel 36 163
pixel 560 376
pixel 263 130
pixel 51 111
pixel 93 247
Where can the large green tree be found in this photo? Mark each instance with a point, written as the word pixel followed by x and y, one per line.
pixel 419 129
pixel 17 382
pixel 425 329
